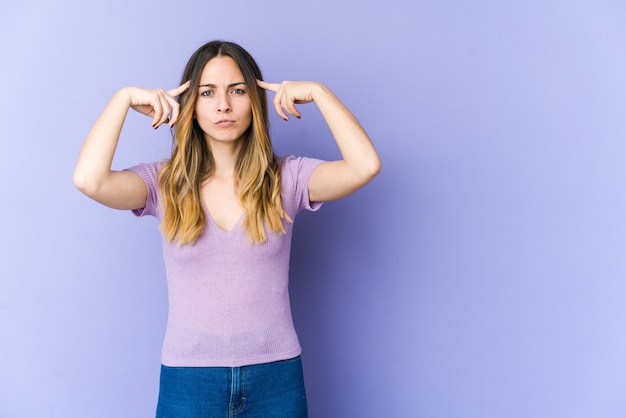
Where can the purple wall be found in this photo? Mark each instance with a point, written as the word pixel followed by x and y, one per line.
pixel 482 274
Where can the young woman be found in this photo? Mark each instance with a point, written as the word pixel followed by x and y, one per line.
pixel 226 204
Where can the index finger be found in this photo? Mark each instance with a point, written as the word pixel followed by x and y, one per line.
pixel 268 86
pixel 179 90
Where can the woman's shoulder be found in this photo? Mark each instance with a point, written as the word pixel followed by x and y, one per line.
pixel 296 164
pixel 295 175
pixel 297 169
pixel 149 172
pixel 154 166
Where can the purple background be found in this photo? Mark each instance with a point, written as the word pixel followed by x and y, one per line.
pixel 482 274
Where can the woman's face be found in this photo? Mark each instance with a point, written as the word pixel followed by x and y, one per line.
pixel 223 108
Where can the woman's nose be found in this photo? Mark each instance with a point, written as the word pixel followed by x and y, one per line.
pixel 224 104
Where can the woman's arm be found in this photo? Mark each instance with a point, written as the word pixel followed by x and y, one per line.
pixel 360 162
pixel 93 175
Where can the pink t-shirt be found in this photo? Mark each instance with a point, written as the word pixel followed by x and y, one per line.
pixel 228 299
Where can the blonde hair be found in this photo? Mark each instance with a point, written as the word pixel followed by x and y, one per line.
pixel 257 171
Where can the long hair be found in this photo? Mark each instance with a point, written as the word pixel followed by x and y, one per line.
pixel 257 173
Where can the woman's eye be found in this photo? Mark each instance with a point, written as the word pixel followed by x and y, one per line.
pixel 206 93
pixel 239 91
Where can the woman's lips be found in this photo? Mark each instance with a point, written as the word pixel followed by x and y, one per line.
pixel 225 123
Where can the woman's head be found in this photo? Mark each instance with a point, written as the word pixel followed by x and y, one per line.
pixel 249 70
pixel 257 172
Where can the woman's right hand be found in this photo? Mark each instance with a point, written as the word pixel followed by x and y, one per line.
pixel 158 104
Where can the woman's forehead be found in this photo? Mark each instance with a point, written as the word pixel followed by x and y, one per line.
pixel 221 70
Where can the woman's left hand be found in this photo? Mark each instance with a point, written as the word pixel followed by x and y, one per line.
pixel 290 93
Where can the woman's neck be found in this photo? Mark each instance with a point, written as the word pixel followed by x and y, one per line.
pixel 225 157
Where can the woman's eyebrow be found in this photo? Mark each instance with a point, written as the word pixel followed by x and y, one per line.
pixel 214 86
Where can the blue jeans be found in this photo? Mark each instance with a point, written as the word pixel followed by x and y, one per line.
pixel 270 390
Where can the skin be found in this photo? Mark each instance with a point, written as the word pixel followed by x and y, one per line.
pixel 224 114
pixel 223 109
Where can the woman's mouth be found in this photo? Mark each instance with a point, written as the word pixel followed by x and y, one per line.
pixel 224 123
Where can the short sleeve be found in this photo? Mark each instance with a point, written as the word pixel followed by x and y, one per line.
pixel 296 172
pixel 149 174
